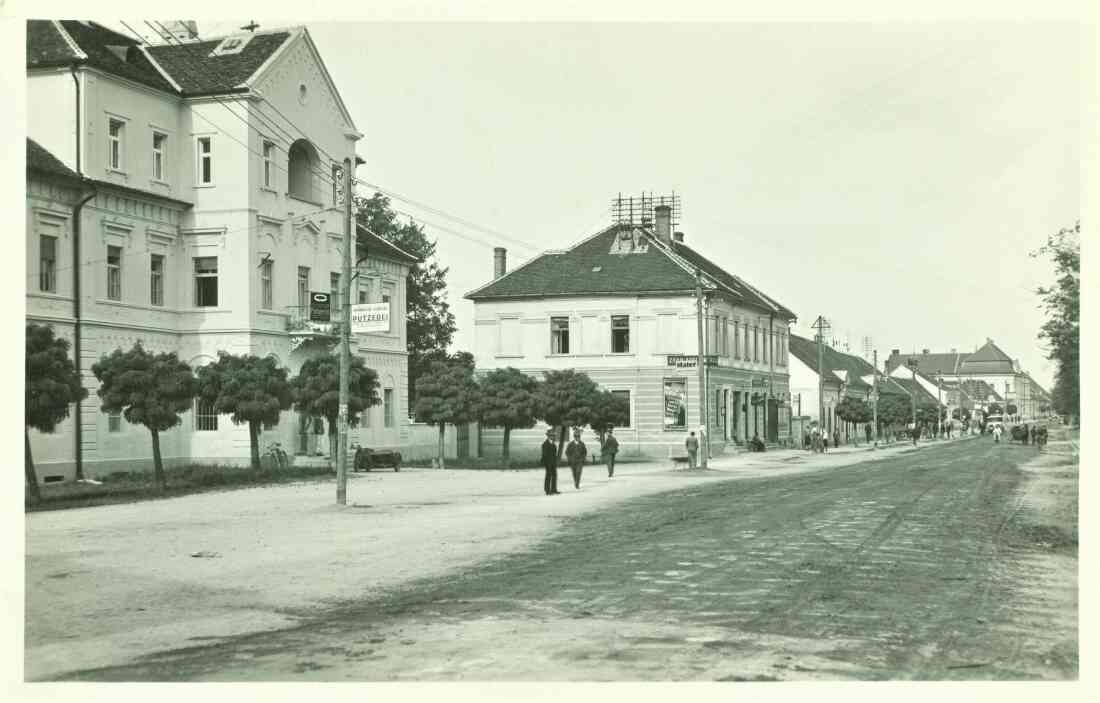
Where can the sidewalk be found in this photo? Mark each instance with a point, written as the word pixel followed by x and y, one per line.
pixel 110 583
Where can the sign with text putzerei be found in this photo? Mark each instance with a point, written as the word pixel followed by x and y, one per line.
pixel 370 317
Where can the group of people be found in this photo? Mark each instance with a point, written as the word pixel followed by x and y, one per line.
pixel 817 440
pixel 575 455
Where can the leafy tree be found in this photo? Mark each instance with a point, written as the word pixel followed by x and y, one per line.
pixel 316 392
pixel 1061 332
pixel 508 399
pixel 566 399
pixel 148 389
pixel 446 394
pixel 52 386
pixel 853 410
pixel 929 414
pixel 893 410
pixel 608 410
pixel 1011 409
pixel 248 388
pixel 430 324
pixel 994 409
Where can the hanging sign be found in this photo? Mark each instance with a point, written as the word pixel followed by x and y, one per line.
pixel 320 307
pixel 370 317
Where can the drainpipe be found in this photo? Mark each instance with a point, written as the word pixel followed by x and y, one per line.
pixel 78 435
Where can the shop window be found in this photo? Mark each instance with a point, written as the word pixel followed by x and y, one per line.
pixel 675 412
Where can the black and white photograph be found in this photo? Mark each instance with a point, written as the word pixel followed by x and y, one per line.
pixel 548 349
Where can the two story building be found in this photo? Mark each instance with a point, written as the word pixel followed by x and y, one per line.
pixel 620 306
pixel 184 195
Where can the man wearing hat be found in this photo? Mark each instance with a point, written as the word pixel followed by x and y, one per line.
pixel 575 453
pixel 550 463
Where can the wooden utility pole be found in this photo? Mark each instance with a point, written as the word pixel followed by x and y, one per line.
pixel 345 343
pixel 874 396
pixel 701 362
pixel 820 325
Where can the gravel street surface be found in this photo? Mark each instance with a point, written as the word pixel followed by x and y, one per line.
pixel 957 560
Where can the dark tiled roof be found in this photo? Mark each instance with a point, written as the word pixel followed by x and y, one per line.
pixel 832 360
pixel 380 247
pixel 94 40
pixel 590 268
pixel 988 359
pixel 199 73
pixel 46 46
pixel 41 160
pixel 930 363
pixel 913 386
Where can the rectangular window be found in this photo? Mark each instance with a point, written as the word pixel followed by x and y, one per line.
pixel 736 339
pixel 269 164
pixel 204 166
pixel 206 418
pixel 303 291
pixel 47 263
pixel 160 141
pixel 266 292
pixel 115 131
pixel 724 338
pixel 756 344
pixel 559 335
pixel 625 395
pixel 206 281
pixel 336 185
pixel 387 407
pixel 114 422
pixel 716 419
pixel 362 294
pixel 620 334
pixel 675 412
pixel 156 279
pixel 114 273
pixel 767 343
pixel 388 298
pixel 334 294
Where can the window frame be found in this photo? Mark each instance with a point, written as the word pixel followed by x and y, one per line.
pixel 156 279
pixel 303 293
pixel 47 274
pixel 267 284
pixel 665 382
pixel 200 277
pixel 389 293
pixel 625 328
pixel 629 406
pixel 114 422
pixel 335 289
pixel 160 156
pixel 116 154
pixel 268 164
pixel 114 273
pixel 389 411
pixel 206 417
pixel 559 334
pixel 200 156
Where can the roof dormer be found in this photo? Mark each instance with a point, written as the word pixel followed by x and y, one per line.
pixel 232 45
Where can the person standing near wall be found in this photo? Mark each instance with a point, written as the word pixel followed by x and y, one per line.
pixel 550 463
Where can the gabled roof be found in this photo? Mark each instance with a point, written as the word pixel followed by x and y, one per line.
pixel 376 246
pixel 988 359
pixel 67 42
pixel 833 361
pixel 42 161
pixel 597 265
pixel 912 386
pixel 196 72
pixel 980 390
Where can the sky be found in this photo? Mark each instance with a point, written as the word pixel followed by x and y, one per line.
pixel 890 176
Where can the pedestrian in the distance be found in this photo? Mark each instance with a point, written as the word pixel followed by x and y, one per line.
pixel 575 453
pixel 550 463
pixel 692 446
pixel 610 449
pixel 824 440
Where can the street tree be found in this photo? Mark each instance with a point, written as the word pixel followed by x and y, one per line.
pixel 250 389
pixel 51 386
pixel 148 389
pixel 509 400
pixel 430 324
pixel 316 392
pixel 929 414
pixel 1061 332
pixel 853 410
pixel 1011 409
pixel 446 394
pixel 566 398
pixel 994 409
pixel 893 410
pixel 608 411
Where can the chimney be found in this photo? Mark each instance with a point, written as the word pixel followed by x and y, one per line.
pixel 954 350
pixel 663 213
pixel 500 262
pixel 678 236
pixel 924 352
pixel 895 352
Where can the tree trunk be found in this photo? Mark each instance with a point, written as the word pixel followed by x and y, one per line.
pixel 561 441
pixel 28 467
pixel 442 429
pixel 254 443
pixel 507 437
pixel 158 467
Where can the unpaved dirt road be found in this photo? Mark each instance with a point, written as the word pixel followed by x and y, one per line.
pixel 934 564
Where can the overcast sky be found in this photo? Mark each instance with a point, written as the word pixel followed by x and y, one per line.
pixel 890 176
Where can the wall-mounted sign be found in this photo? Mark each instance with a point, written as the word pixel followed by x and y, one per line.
pixel 370 317
pixel 684 361
pixel 759 383
pixel 320 307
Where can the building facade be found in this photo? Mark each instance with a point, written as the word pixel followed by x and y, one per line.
pixel 210 214
pixel 621 307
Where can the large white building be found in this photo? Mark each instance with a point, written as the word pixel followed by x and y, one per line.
pixel 621 307
pixel 193 184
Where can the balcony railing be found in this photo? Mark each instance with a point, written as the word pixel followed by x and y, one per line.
pixel 298 322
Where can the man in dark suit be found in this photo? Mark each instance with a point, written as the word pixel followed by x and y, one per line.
pixel 550 463
pixel 575 453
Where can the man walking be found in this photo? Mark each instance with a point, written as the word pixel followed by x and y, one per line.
pixel 692 446
pixel 575 454
pixel 610 449
pixel 550 463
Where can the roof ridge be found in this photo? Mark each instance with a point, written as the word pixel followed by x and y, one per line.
pixel 80 54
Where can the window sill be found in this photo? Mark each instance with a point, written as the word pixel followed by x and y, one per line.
pixel 273 313
pixel 210 309
pixel 265 189
pixel 509 356
pixel 158 182
pixel 621 354
pixel 118 172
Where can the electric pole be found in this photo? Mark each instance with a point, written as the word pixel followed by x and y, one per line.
pixel 913 396
pixel 874 397
pixel 702 368
pixel 345 344
pixel 821 326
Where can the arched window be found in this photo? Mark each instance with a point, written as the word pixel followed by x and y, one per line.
pixel 301 163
